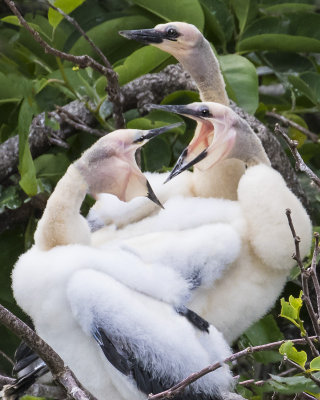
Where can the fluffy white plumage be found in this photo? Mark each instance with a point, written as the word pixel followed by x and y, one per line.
pixel 234 296
pixel 99 305
pixel 71 286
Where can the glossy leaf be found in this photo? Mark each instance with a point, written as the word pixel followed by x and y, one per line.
pixel 11 19
pixel 292 384
pixel 54 17
pixel 278 9
pixel 140 62
pixel 181 97
pixel 264 331
pixel 26 167
pixel 307 84
pixel 219 21
pixel 315 364
pixel 297 32
pixel 299 357
pixel 106 37
pixel 242 81
pixel 182 10
pixel 51 166
pixel 294 133
pixel 288 63
pixel 10 198
pixel 245 10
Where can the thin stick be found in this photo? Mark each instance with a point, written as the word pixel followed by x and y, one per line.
pixel 82 61
pixel 312 136
pixel 6 380
pixel 62 374
pixel 3 354
pixel 305 373
pixel 69 119
pixel 300 164
pixel 313 270
pixel 176 389
pixel 304 278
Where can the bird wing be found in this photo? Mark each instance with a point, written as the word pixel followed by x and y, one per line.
pixel 110 210
pixel 200 255
pixel 146 341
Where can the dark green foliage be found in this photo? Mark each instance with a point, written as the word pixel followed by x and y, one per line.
pixel 259 42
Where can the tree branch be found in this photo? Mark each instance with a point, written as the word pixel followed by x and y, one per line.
pixel 113 88
pixel 304 277
pixel 83 61
pixel 286 121
pixel 300 164
pixel 62 374
pixel 6 380
pixel 179 387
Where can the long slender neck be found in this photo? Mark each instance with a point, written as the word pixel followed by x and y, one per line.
pixel 204 68
pixel 62 223
pixel 219 181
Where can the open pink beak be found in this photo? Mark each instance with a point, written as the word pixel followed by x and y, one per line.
pixel 212 141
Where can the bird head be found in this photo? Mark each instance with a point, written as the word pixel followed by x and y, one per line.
pixel 220 134
pixel 109 166
pixel 174 37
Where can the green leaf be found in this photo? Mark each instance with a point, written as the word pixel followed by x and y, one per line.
pixel 181 97
pixel 296 134
pixel 287 311
pixel 157 153
pixel 299 357
pixel 315 364
pixel 292 32
pixel 140 62
pixel 182 10
pixel 283 8
pixel 10 198
pixel 296 302
pixel 307 84
pixel 245 10
pixel 51 166
pixel 106 37
pixel 264 331
pixel 26 167
pixel 54 17
pixel 242 81
pixel 11 19
pixel 219 21
pixel 292 385
pixel 287 63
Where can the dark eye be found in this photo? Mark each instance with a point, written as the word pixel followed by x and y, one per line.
pixel 140 139
pixel 204 112
pixel 172 33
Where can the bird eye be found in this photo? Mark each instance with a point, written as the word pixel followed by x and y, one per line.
pixel 204 112
pixel 172 33
pixel 140 139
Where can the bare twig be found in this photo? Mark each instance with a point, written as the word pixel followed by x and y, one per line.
pixel 6 357
pixel 62 374
pixel 76 123
pixel 179 387
pixel 286 121
pixel 6 380
pixel 313 270
pixel 300 164
pixel 83 61
pixel 305 373
pixel 304 276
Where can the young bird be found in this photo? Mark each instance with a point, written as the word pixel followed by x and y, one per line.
pixel 232 297
pixel 117 321
pixel 187 44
